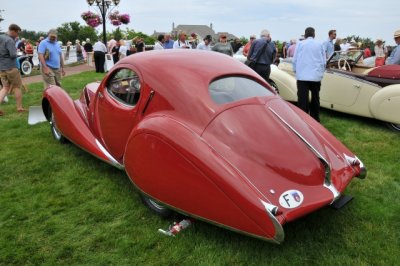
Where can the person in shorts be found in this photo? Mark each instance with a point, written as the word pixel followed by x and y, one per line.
pixel 51 60
pixel 9 74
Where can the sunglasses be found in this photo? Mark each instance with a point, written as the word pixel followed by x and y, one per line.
pixel 223 37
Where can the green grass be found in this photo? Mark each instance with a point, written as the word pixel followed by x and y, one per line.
pixel 60 205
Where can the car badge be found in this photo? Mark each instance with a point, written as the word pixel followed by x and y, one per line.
pixel 291 199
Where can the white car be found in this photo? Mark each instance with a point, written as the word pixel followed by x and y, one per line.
pixel 284 83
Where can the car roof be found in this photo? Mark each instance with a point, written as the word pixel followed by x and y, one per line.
pixel 182 77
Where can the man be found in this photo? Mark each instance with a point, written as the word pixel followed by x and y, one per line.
pixel 51 60
pixel 205 44
pixel 394 58
pixel 168 43
pixel 263 52
pixel 9 74
pixel 328 45
pixel 21 45
pixel 182 43
pixel 99 55
pixel 345 45
pixel 246 48
pixel 236 44
pixel 159 45
pixel 292 48
pixel 309 65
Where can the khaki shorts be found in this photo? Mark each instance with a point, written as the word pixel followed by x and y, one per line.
pixel 11 78
pixel 53 78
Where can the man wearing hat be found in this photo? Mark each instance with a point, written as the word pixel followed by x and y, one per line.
pixel 9 74
pixel 205 44
pixel 394 58
pixel 51 60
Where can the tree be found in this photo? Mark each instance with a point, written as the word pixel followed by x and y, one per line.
pixel 31 35
pixel 86 32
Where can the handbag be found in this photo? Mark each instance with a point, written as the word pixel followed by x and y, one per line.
pixel 252 63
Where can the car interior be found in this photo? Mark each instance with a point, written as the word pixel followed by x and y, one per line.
pixel 124 86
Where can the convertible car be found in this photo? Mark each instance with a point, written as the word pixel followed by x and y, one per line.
pixel 349 86
pixel 209 139
pixel 283 83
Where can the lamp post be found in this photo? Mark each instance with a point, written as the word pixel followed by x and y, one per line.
pixel 103 6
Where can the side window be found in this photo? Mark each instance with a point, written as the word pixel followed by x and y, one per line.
pixel 124 86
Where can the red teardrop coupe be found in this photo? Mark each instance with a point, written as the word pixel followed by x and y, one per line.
pixel 202 134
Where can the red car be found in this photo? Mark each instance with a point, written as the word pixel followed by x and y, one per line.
pixel 202 134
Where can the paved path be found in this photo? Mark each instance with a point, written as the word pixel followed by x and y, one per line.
pixel 68 71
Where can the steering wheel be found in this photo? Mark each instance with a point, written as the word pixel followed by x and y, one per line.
pixel 345 66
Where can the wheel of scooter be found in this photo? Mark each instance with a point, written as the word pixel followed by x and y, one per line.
pixel 26 67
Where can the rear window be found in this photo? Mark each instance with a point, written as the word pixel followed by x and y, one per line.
pixel 231 89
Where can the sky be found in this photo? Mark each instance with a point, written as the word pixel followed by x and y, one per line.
pixel 285 19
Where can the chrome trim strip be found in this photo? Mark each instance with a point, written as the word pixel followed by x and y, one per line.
pixel 328 181
pixel 111 159
pixel 279 232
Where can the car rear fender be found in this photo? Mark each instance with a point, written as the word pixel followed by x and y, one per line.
pixel 385 104
pixel 174 165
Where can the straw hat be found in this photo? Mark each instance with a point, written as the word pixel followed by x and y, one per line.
pixel 397 33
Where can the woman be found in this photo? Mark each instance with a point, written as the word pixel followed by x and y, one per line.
pixel 223 46
pixel 79 53
pixel 380 53
pixel 115 52
pixel 284 50
pixel 336 46
pixel 122 49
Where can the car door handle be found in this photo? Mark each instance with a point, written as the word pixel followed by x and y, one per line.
pixel 356 86
pixel 101 95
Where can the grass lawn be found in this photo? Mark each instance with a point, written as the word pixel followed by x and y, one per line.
pixel 60 205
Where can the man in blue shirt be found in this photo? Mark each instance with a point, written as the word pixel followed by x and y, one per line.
pixel 51 60
pixel 329 47
pixel 168 43
pixel 262 52
pixel 309 65
pixel 394 58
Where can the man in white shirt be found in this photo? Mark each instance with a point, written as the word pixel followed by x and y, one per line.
pixel 182 43
pixel 159 45
pixel 309 65
pixel 205 44
pixel 100 51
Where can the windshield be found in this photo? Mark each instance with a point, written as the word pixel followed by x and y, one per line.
pixel 349 55
pixel 231 89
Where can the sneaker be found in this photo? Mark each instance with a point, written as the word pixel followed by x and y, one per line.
pixel 5 100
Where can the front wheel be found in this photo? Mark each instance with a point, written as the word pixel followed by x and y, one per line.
pixel 54 129
pixel 160 209
pixel 26 67
pixel 394 127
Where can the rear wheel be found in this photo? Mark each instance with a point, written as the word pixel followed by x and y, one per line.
pixel 54 129
pixel 394 127
pixel 26 67
pixel 155 206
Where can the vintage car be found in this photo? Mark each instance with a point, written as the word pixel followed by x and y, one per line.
pixel 209 139
pixel 283 83
pixel 349 86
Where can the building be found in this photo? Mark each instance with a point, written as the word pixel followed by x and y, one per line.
pixel 200 30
